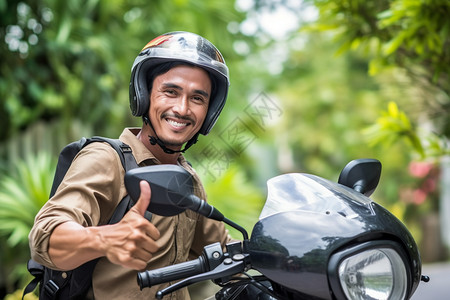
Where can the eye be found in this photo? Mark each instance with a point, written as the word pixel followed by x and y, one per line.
pixel 199 99
pixel 170 92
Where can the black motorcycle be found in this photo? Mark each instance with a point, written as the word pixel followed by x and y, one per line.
pixel 315 239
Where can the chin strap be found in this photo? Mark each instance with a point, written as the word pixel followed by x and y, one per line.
pixel 157 141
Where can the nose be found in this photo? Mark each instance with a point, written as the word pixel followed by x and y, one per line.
pixel 181 106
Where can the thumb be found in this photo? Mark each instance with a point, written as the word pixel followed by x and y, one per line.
pixel 144 199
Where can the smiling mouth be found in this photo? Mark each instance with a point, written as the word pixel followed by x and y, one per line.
pixel 176 124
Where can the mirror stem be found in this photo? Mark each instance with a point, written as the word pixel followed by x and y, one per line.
pixel 237 227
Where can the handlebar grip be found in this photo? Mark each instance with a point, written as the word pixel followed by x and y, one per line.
pixel 171 273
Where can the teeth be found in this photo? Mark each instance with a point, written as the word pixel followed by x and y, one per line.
pixel 176 124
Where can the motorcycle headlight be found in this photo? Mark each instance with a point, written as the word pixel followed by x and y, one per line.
pixel 372 270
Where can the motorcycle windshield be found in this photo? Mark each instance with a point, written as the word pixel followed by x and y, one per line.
pixel 290 192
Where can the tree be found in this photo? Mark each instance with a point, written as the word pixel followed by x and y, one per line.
pixel 72 59
pixel 412 38
pixel 411 35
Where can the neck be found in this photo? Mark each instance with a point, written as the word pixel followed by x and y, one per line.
pixel 158 152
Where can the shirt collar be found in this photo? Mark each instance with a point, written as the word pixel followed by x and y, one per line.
pixel 140 152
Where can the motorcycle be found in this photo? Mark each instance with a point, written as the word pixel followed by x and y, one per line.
pixel 315 239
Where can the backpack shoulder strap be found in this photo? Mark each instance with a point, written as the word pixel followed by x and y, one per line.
pixel 53 285
pixel 37 270
pixel 69 152
pixel 65 159
pixel 122 149
pixel 128 162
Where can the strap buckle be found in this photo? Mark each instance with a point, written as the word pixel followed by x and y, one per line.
pixel 51 288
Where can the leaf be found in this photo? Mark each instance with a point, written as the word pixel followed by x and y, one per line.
pixel 385 14
pixel 391 126
pixel 392 46
pixel 417 144
pixel 22 193
pixel 393 109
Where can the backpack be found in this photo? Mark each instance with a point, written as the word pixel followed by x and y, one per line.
pixel 74 284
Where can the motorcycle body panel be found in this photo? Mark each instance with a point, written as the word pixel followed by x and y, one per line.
pixel 306 219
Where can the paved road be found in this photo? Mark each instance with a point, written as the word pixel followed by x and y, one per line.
pixel 438 288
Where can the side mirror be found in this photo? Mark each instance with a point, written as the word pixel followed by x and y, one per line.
pixel 362 175
pixel 172 191
pixel 169 185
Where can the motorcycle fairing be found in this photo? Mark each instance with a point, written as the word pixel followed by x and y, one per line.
pixel 306 219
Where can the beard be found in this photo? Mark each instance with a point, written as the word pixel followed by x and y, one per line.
pixel 170 143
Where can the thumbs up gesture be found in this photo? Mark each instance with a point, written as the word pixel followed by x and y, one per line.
pixel 132 242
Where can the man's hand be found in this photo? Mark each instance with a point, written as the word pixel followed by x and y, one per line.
pixel 129 243
pixel 132 242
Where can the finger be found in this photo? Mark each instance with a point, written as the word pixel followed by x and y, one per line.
pixel 149 244
pixel 136 264
pixel 142 255
pixel 151 232
pixel 144 199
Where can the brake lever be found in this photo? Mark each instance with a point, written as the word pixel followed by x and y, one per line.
pixel 229 267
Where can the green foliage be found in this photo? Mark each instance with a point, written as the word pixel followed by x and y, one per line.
pixel 72 59
pixel 413 35
pixel 17 295
pixel 22 193
pixel 418 32
pixel 392 126
pixel 326 100
pixel 401 38
pixel 236 197
pixel 400 32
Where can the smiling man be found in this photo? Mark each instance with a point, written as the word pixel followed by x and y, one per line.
pixel 179 101
pixel 179 84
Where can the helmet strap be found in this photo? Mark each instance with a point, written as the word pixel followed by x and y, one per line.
pixel 155 140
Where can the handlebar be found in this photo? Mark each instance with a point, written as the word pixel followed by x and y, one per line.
pixel 171 273
pixel 211 257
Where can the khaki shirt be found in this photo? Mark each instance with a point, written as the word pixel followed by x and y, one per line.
pixel 89 193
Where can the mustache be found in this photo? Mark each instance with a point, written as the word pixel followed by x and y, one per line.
pixel 177 116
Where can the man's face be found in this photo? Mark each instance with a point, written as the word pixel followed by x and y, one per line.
pixel 179 102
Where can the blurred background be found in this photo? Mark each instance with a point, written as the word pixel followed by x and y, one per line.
pixel 314 85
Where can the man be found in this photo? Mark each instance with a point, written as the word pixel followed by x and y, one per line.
pixel 178 86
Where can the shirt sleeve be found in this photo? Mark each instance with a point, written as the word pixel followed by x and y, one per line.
pixel 88 195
